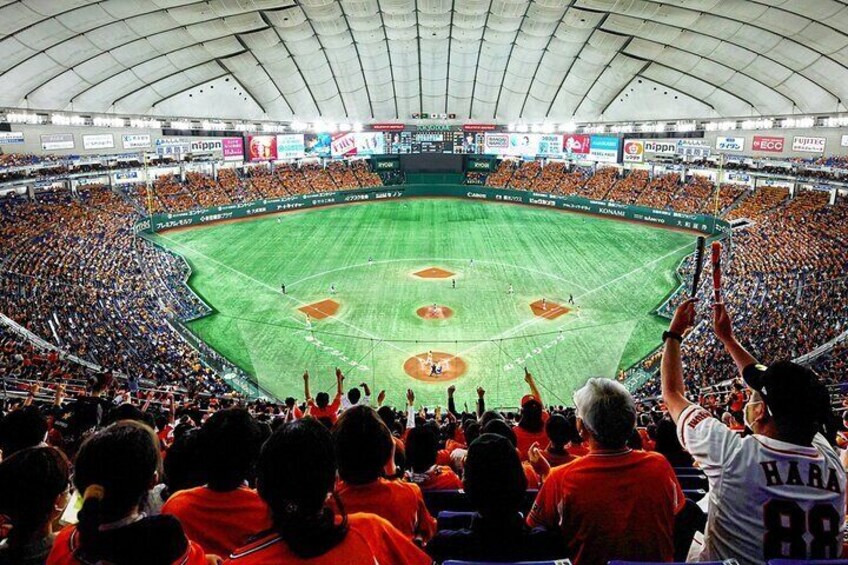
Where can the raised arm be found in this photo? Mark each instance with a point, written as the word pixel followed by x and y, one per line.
pixel 671 369
pixel 481 401
pixel 723 327
pixel 339 382
pixel 531 382
pixel 410 409
pixel 451 402
pixel 306 386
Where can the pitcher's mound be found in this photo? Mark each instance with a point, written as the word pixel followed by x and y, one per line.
pixel 439 313
pixel 320 310
pixel 433 273
pixel 551 311
pixel 451 367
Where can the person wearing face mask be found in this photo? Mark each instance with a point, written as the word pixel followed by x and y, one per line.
pixel 780 492
pixel 34 491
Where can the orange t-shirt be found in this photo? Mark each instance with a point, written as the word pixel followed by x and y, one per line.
pixel 533 481
pixel 526 439
pixel 67 542
pixel 330 411
pixel 402 504
pixel 612 506
pixel 440 478
pixel 219 521
pixel 369 540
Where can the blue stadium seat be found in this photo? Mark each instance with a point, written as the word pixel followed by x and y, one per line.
pixel 557 562
pixel 449 520
pixel 808 562
pixel 728 562
pixel 456 501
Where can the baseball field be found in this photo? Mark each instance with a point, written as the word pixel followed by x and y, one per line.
pixel 424 293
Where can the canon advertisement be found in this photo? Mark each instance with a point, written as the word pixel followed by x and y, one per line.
pixel 768 144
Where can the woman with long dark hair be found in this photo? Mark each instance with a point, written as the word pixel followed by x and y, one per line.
pixel 34 491
pixel 295 477
pixel 114 470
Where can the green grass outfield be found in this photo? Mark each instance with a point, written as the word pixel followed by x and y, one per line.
pixel 617 271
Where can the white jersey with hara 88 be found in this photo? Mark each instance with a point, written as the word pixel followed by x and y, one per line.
pixel 768 498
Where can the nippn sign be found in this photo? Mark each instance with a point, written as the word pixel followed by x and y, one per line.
pixel 660 147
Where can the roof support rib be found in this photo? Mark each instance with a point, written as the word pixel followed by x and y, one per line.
pixel 267 20
pixel 576 57
pixel 358 58
pixel 509 59
pixel 450 42
pixel 329 65
pixel 389 53
pixel 477 64
pixel 541 57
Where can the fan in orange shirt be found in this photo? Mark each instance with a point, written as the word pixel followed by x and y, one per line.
pixel 600 502
pixel 364 448
pixel 531 423
pixel 320 407
pixel 422 446
pixel 305 529
pixel 221 515
pixel 115 469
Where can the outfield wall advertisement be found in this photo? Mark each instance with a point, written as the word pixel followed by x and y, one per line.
pixel 697 222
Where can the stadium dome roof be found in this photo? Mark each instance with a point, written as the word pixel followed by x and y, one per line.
pixel 485 60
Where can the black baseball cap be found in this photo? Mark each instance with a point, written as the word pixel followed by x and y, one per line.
pixel 793 393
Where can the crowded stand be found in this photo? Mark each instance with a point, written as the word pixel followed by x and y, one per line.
pixel 628 189
pixel 761 201
pixel 123 390
pixel 317 177
pixel 599 184
pixel 524 177
pixel 660 192
pixel 500 178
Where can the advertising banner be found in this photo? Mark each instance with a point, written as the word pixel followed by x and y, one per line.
pixel 233 148
pixel 290 146
pixel 319 145
pixel 98 141
pixel 386 127
pixel 361 143
pixel 135 140
pixel 634 151
pixel 730 143
pixel 844 141
pixel 768 144
pixel 479 127
pixel 207 146
pixel 11 137
pixel 261 148
pixel 172 146
pixel 55 141
pixel 523 144
pixel 573 144
pixel 696 148
pixel 603 148
pixel 660 146
pixel 807 144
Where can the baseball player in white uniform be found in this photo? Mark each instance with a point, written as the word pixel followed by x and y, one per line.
pixel 779 493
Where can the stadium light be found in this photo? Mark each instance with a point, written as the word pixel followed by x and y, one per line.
pixel 357 126
pixel 547 127
pixel 684 126
pixel 298 126
pixel 23 118
pixel 568 127
pixel 510 127
pixel 77 120
pixel 535 128
pixel 836 121
pixel 798 123
pixel 766 123
pixel 60 120
pixel 108 122
pixel 180 124
pixel 344 126
pixel 521 128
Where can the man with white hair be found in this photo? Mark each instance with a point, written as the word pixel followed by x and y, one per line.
pixel 614 503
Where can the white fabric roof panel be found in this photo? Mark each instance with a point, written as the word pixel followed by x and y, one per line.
pixel 339 60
